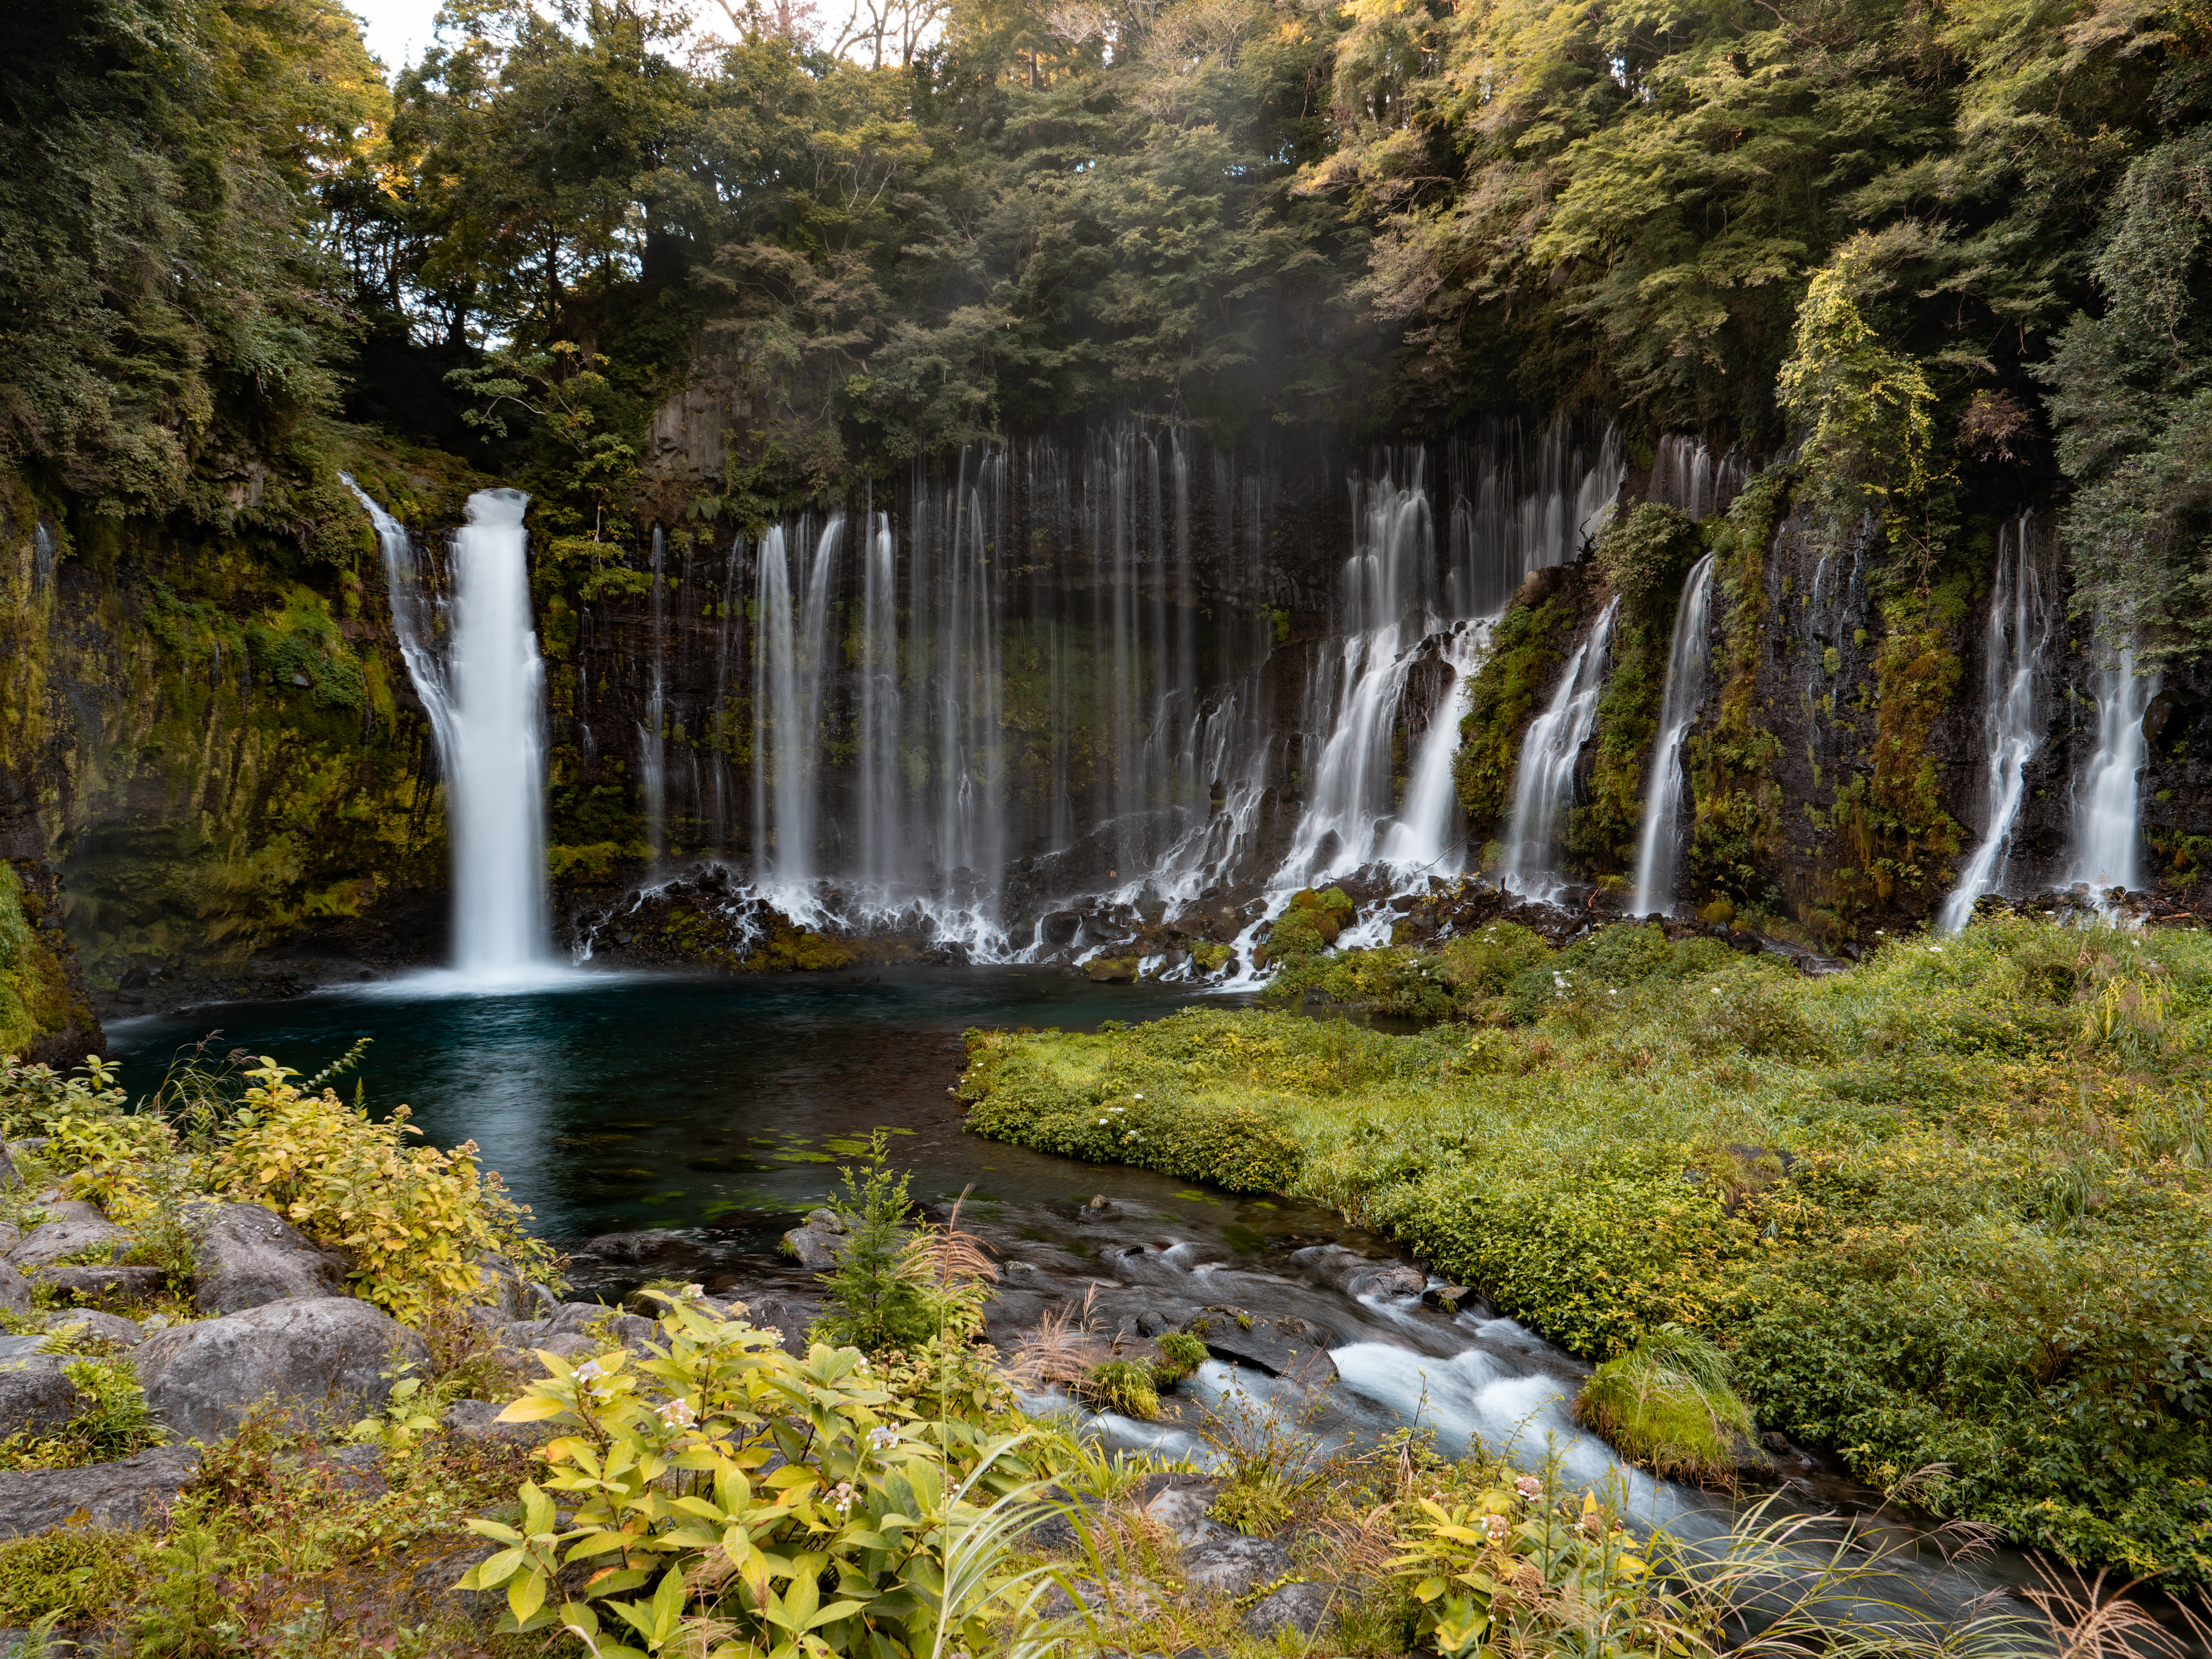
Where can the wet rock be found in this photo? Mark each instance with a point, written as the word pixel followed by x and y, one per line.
pixel 314 1355
pixel 51 1241
pixel 249 1256
pixel 1457 1299
pixel 1281 1347
pixel 1393 1280
pixel 632 1248
pixel 1100 1208
pixel 35 1397
pixel 1177 1505
pixel 819 1242
pixel 1232 1565
pixel 108 1287
pixel 1301 1607
pixel 135 1493
pixel 1111 970
pixel 98 1326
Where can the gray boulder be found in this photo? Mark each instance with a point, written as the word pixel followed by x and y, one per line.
pixel 315 1355
pixel 249 1256
pixel 51 1241
pixel 34 1396
pixel 819 1243
pixel 1288 1346
pixel 1232 1565
pixel 100 1327
pixel 108 1287
pixel 14 1289
pixel 1301 1607
pixel 133 1493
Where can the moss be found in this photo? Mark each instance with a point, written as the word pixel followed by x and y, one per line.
pixel 1525 654
pixel 1181 1355
pixel 40 1009
pixel 79 1572
pixel 1666 1404
pixel 1737 839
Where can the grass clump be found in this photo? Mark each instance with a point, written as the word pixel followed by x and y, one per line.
pixel 1181 1355
pixel 1666 1404
pixel 1125 1386
pixel 1886 1194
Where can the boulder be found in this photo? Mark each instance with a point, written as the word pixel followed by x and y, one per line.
pixel 14 1289
pixel 99 1326
pixel 135 1492
pixel 249 1256
pixel 1281 1347
pixel 1177 1505
pixel 51 1241
pixel 1390 1280
pixel 9 1177
pixel 817 1243
pixel 313 1354
pixel 108 1287
pixel 1301 1607
pixel 35 1397
pixel 1232 1565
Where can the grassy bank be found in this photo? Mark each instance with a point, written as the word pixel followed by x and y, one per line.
pixel 1947 1208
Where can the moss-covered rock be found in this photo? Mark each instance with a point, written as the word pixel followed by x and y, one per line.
pixel 1666 1404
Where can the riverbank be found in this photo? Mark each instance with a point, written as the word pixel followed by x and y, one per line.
pixel 1946 1208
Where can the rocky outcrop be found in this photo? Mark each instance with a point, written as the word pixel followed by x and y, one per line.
pixel 316 1356
pixel 134 1493
pixel 36 1397
pixel 249 1256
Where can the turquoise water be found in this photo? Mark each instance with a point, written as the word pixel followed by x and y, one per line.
pixel 628 1101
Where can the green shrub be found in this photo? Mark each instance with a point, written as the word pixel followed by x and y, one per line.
pixel 1123 1386
pixel 79 1572
pixel 113 1422
pixel 1667 1405
pixel 874 1535
pixel 1181 1355
pixel 877 1298
pixel 416 1219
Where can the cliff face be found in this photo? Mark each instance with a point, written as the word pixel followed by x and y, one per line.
pixel 218 779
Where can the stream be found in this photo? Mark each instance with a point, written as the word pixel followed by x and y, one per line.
pixel 662 1125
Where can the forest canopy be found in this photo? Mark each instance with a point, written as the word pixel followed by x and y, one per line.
pixel 221 223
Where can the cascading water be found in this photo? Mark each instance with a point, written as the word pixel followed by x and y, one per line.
pixel 1660 854
pixel 1544 785
pixel 1014 695
pixel 652 739
pixel 2108 798
pixel 2014 637
pixel 482 692
pixel 1686 473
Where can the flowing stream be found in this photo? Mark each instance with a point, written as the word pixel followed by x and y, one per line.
pixel 1687 660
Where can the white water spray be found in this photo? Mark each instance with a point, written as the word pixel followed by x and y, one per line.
pixel 2014 638
pixel 1544 785
pixel 2108 802
pixel 484 697
pixel 1659 855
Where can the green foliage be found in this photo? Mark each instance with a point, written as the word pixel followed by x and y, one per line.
pixel 1516 1570
pixel 871 1534
pixel 1666 1404
pixel 1886 1193
pixel 1123 1386
pixel 416 1219
pixel 69 1575
pixel 876 1300
pixel 1181 1355
pixel 113 1422
pixel 1525 654
pixel 2131 401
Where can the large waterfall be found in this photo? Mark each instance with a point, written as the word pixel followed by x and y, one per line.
pixel 2014 638
pixel 1544 784
pixel 1660 854
pixel 474 666
pixel 2108 797
pixel 1021 688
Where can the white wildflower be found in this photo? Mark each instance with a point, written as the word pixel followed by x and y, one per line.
pixel 679 1414
pixel 882 1438
pixel 590 1371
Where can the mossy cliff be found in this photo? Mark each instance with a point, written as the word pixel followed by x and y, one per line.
pixel 219 772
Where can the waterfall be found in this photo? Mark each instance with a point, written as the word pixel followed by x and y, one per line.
pixel 2013 638
pixel 882 848
pixel 1660 851
pixel 792 649
pixel 652 741
pixel 1544 787
pixel 2107 801
pixel 484 695
pixel 1686 473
